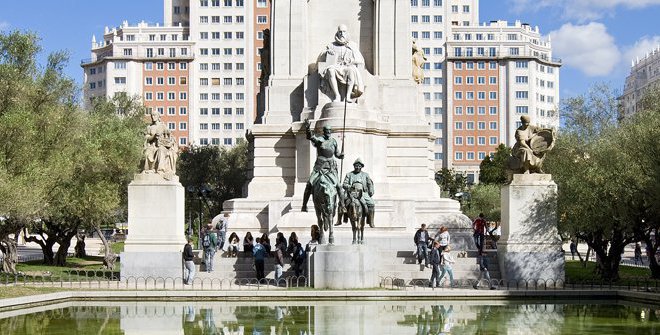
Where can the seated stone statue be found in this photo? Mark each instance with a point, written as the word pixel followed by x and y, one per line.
pixel 532 143
pixel 160 148
pixel 340 67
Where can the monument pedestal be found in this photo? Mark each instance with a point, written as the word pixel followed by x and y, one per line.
pixel 343 267
pixel 155 237
pixel 530 246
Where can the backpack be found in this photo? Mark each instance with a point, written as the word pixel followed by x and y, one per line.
pixel 206 242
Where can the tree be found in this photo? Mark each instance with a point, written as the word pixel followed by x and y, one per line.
pixel 451 183
pixel 493 170
pixel 485 198
pixel 607 175
pixel 64 168
pixel 220 171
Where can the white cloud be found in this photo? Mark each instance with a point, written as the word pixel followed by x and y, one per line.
pixel 581 10
pixel 4 25
pixel 643 46
pixel 588 48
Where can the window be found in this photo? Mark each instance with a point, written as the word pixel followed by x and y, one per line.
pixel 204 111
pixel 492 110
pixel 160 96
pixel 522 79
pixel 492 125
pixel 183 80
pixel 437 96
pixel 492 65
pixel 514 51
pixel 160 81
pixel 454 9
pixel 227 3
pixel 120 65
pixel 522 64
pixel 227 19
pixel 469 110
pixel 171 66
pixel 148 66
pixel 469 80
pixel 458 95
pixel 522 94
pixel 183 95
pixel 493 140
pixel 481 80
pixel 120 80
pixel 171 111
pixel 262 3
pixel 183 125
pixel 458 65
pixel 215 81
pixel 492 80
pixel 183 111
pixel 240 96
pixel 227 111
pixel 262 19
pixel 227 126
pixel 458 110
pixel 171 96
pixel 437 35
pixel 458 125
pixel 437 125
pixel 492 95
pixel 481 110
pixel 469 95
pixel 470 156
pixel 522 109
pixel 469 65
pixel 215 111
pixel 203 126
pixel 458 140
pixel 227 96
pixel 240 126
pixel 426 35
pixel 458 155
pixel 215 96
pixel 171 81
pixel 203 3
pixel 469 125
pixel 426 19
pixel 481 125
pixel 481 156
pixel 458 80
pixel 203 66
pixel 203 96
pixel 481 140
pixel 147 95
pixel 240 19
pixel 466 9
pixel 148 81
pixel 240 111
pixel 426 3
pixel 438 156
pixel 183 66
pixel 128 52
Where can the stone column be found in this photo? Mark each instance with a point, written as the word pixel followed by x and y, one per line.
pixel 343 267
pixel 155 237
pixel 530 246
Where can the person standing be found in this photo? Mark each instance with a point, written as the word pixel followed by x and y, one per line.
pixel 280 249
pixel 482 260
pixel 221 227
pixel 421 240
pixel 259 253
pixel 638 253
pixel 573 248
pixel 443 237
pixel 435 264
pixel 446 266
pixel 188 257
pixel 479 227
pixel 209 243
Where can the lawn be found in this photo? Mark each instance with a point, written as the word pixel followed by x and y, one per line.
pixel 21 291
pixel 629 275
pixel 76 269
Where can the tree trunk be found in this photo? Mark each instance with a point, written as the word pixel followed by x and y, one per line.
pixel 63 250
pixel 608 262
pixel 651 249
pixel 108 257
pixel 46 245
pixel 80 246
pixel 10 259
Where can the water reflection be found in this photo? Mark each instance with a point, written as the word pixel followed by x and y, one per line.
pixel 324 317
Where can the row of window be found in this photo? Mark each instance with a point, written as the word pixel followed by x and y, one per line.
pixel 469 110
pixel 226 35
pixel 148 81
pixel 160 96
pixel 148 66
pixel 426 35
pixel 225 81
pixel 216 141
pixel 225 96
pixel 225 19
pixel 225 126
pixel 99 84
pixel 225 51
pixel 152 37
pixel 488 37
pixel 436 81
pixel 170 110
pixel 230 3
pixel 426 19
pixel 470 140
pixel 458 156
pixel 469 95
pixel 222 66
pixel 481 65
pixel 426 3
pixel 469 125
pixel 469 80
pixel 225 111
pixel 160 52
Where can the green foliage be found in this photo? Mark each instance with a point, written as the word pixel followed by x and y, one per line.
pixel 492 170
pixel 450 182
pixel 58 162
pixel 485 198
pixel 607 181
pixel 221 171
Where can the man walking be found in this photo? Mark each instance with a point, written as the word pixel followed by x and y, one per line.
pixel 435 264
pixel 482 260
pixel 188 257
pixel 209 242
pixel 259 253
pixel 421 241
pixel 479 227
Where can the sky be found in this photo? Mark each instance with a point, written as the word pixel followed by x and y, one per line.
pixel 596 39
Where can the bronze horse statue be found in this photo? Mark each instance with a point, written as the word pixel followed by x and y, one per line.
pixel 354 211
pixel 324 195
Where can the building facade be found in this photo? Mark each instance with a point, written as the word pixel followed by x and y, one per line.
pixel 644 75
pixel 479 78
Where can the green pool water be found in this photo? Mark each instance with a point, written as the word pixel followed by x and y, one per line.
pixel 330 317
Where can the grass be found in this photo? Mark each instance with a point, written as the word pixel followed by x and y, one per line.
pixel 628 275
pixel 21 291
pixel 117 247
pixel 76 269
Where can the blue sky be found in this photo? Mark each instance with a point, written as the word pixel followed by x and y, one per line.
pixel 596 39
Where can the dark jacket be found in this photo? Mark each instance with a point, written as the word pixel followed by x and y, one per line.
pixel 435 257
pixel 421 236
pixel 188 253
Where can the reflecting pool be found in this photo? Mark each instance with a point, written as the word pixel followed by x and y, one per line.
pixel 330 317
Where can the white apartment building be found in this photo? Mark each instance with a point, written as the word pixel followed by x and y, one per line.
pixel 223 38
pixel 431 23
pixel 151 62
pixel 496 73
pixel 644 75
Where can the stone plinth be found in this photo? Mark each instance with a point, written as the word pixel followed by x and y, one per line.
pixel 155 237
pixel 343 267
pixel 530 245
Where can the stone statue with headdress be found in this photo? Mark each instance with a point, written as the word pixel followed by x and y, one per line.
pixel 532 143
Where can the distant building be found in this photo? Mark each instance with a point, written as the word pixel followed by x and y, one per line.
pixel 644 75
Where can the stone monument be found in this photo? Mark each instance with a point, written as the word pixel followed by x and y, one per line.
pixel 347 65
pixel 530 245
pixel 155 211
